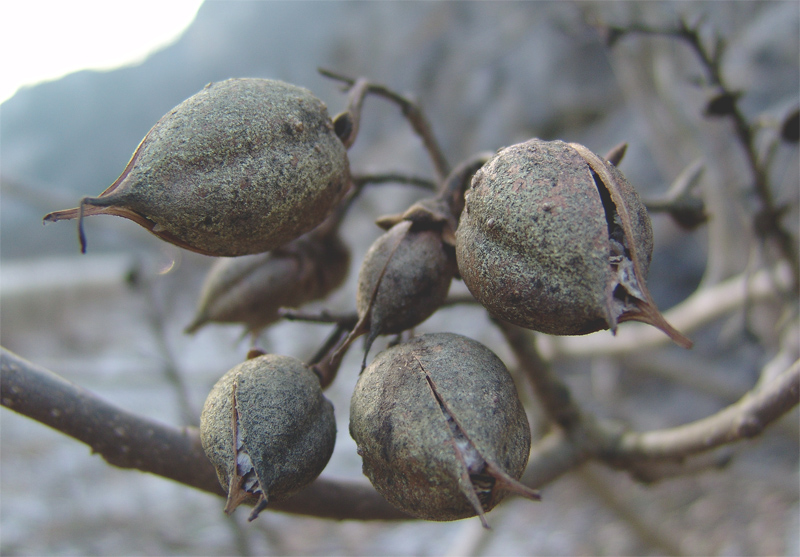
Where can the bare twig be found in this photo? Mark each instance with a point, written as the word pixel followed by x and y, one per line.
pixel 411 111
pixel 580 436
pixel 768 220
pixel 361 180
pixel 155 316
pixel 347 320
pixel 121 438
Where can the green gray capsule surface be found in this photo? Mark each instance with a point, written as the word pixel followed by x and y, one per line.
pixel 241 167
pixel 267 429
pixel 411 270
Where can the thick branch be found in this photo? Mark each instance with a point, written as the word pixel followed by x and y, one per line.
pixel 742 420
pixel 126 440
pixel 579 436
pixel 121 438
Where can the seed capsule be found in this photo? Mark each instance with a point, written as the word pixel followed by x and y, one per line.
pixel 553 238
pixel 267 429
pixel 440 428
pixel 242 167
pixel 403 280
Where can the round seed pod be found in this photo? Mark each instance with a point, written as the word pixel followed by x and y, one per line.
pixel 252 288
pixel 403 280
pixel 440 428
pixel 242 167
pixel 553 238
pixel 267 429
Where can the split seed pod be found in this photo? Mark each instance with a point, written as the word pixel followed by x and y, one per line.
pixel 553 238
pixel 267 429
pixel 242 167
pixel 252 288
pixel 440 428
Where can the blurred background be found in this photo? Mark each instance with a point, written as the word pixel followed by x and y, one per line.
pixel 487 75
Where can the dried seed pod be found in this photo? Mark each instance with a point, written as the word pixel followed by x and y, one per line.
pixel 440 428
pixel 242 167
pixel 403 280
pixel 251 289
pixel 406 274
pixel 553 238
pixel 267 429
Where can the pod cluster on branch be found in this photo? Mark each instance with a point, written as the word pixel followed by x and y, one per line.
pixel 545 234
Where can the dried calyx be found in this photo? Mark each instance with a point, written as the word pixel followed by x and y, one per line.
pixel 242 167
pixel 553 238
pixel 440 428
pixel 267 429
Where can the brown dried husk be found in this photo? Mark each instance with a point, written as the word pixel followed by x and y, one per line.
pixel 403 280
pixel 242 167
pixel 252 289
pixel 398 420
pixel 286 425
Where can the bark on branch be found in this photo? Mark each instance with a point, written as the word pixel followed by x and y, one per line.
pixel 579 437
pixel 742 420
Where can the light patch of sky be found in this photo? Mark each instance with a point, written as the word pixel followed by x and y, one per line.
pixel 45 40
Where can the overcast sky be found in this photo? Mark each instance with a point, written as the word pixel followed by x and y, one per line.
pixel 47 39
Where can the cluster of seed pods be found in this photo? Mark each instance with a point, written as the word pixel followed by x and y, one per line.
pixel 545 234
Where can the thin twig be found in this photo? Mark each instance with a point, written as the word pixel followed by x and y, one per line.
pixel 362 180
pixel 767 221
pixel 346 320
pixel 155 315
pixel 413 114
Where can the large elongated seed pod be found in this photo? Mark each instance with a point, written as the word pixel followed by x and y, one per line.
pixel 267 429
pixel 242 167
pixel 252 288
pixel 553 238
pixel 440 428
